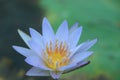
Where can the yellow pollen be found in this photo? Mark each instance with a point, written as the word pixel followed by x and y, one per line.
pixel 56 56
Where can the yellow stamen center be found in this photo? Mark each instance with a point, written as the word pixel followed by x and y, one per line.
pixel 56 56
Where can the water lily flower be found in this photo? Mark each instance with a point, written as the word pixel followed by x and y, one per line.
pixel 52 54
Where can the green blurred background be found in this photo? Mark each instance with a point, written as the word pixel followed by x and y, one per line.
pixel 99 18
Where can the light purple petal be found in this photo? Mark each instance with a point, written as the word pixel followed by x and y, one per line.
pixel 55 75
pixel 36 47
pixel 36 62
pixel 23 51
pixel 67 67
pixel 83 47
pixel 87 45
pixel 74 37
pixel 24 36
pixel 77 66
pixel 75 60
pixel 75 50
pixel 47 31
pixel 73 27
pixel 35 71
pixel 80 57
pixel 62 32
pixel 36 36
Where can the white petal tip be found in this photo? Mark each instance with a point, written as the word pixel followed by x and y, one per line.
pixel 19 31
pixel 45 20
pixel 30 29
pixel 14 47
pixel 80 28
pixel 95 40
pixel 77 23
pixel 65 22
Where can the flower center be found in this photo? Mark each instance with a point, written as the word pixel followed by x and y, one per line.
pixel 56 56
